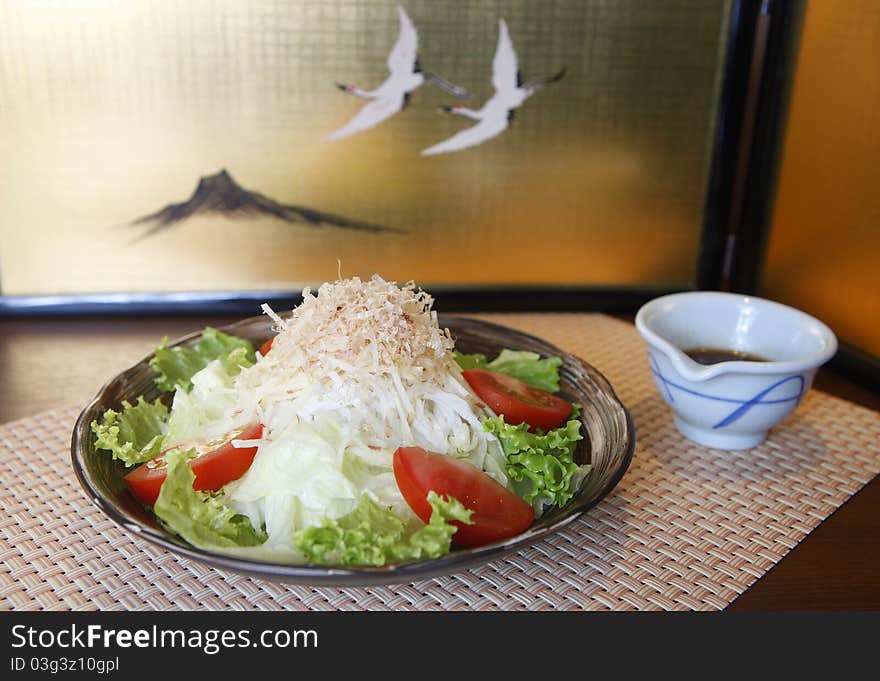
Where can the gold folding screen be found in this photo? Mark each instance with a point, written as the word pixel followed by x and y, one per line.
pixel 112 112
pixel 824 248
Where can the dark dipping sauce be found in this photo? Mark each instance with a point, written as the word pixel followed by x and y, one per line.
pixel 716 355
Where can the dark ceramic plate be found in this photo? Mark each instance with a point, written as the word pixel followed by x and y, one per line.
pixel 609 440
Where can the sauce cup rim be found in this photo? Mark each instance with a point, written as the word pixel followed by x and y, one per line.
pixel 694 371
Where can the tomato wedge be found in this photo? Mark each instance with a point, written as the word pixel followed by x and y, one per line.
pixel 518 402
pixel 265 347
pixel 497 512
pixel 216 463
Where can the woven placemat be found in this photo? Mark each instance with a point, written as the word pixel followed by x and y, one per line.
pixel 688 528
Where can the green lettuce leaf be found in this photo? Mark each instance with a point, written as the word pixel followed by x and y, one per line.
pixel 526 366
pixel 204 411
pixel 176 366
pixel 200 518
pixel 373 535
pixel 133 435
pixel 541 464
pixel 472 361
pixel 529 368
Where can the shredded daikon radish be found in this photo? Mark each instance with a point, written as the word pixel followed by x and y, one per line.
pixel 371 355
pixel 355 371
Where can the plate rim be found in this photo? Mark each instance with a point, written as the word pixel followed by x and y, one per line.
pixel 340 576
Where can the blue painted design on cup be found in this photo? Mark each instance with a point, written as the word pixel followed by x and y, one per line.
pixel 663 380
pixel 743 406
pixel 740 411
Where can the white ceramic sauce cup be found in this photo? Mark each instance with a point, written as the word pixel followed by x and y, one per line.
pixel 731 404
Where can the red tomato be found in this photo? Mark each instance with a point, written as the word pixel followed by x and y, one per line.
pixel 216 463
pixel 265 347
pixel 497 512
pixel 518 402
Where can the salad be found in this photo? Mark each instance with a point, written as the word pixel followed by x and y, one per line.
pixel 357 435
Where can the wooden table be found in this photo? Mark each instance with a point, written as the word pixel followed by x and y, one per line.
pixel 48 363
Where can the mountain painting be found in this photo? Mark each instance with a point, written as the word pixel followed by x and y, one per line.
pixel 220 194
pixel 166 147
